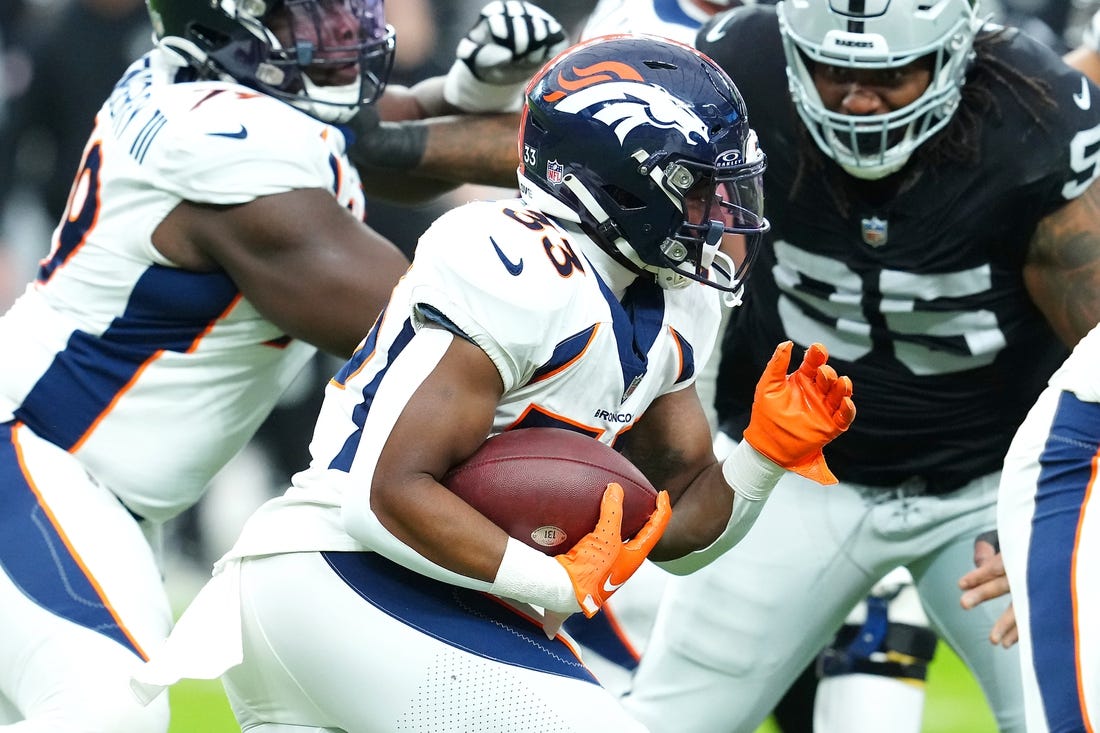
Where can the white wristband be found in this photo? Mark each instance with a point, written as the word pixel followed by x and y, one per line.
pixel 465 91
pixel 752 477
pixel 527 575
pixel 750 473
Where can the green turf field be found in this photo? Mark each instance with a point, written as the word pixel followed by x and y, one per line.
pixel 955 705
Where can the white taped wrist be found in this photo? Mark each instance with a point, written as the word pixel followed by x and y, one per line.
pixel 751 476
pixel 750 473
pixel 465 91
pixel 526 575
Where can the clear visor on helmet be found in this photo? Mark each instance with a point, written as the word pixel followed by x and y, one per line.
pixel 331 52
pixel 723 221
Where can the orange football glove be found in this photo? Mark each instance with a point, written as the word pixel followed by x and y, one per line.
pixel 600 562
pixel 795 416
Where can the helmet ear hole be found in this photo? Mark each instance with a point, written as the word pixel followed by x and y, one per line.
pixel 208 37
pixel 623 199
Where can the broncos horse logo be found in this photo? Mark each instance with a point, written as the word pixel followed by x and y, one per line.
pixel 626 101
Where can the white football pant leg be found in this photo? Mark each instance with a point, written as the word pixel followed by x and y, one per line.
pixel 80 598
pixel 1048 529
pixel 317 655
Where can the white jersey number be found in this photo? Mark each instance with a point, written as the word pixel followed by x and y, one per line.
pixel 967 338
pixel 1084 158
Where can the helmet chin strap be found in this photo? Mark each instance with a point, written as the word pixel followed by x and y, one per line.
pixel 604 225
pixel 721 266
pixel 713 238
pixel 724 269
pixel 666 277
pixel 335 104
pixel 189 54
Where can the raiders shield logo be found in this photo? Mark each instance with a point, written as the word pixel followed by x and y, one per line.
pixel 874 231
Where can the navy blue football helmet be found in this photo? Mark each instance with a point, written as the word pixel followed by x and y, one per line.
pixel 646 144
pixel 326 57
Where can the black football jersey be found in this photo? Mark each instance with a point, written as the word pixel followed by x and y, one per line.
pixel 918 296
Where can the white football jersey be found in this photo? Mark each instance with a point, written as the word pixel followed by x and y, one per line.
pixel 569 353
pixel 154 376
pixel 679 20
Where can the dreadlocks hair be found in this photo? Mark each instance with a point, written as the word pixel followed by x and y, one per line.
pixel 959 142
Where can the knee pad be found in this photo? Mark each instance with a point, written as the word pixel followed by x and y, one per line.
pixel 879 647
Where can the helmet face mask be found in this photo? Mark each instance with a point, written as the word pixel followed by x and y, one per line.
pixel 645 142
pixel 882 35
pixel 325 57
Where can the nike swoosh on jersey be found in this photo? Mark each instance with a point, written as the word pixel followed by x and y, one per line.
pixel 240 134
pixel 1083 99
pixel 513 268
pixel 717 32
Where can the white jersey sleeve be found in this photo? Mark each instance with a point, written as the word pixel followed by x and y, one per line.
pixel 217 145
pixel 522 290
pixel 219 142
pixel 488 274
pixel 679 20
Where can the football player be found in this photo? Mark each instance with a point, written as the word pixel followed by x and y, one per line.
pixel 861 694
pixel 369 597
pixel 931 190
pixel 1045 528
pixel 1046 532
pixel 213 241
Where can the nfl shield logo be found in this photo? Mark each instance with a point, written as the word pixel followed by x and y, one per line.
pixel 874 231
pixel 555 171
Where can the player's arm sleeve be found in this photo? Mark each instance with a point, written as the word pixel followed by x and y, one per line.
pixel 1065 156
pixel 468 286
pixel 696 340
pixel 751 476
pixel 451 298
pixel 233 154
pixel 414 364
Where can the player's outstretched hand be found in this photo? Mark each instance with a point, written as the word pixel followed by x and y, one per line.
pixel 794 416
pixel 987 581
pixel 509 42
pixel 601 562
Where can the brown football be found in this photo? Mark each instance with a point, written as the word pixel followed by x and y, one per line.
pixel 543 486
